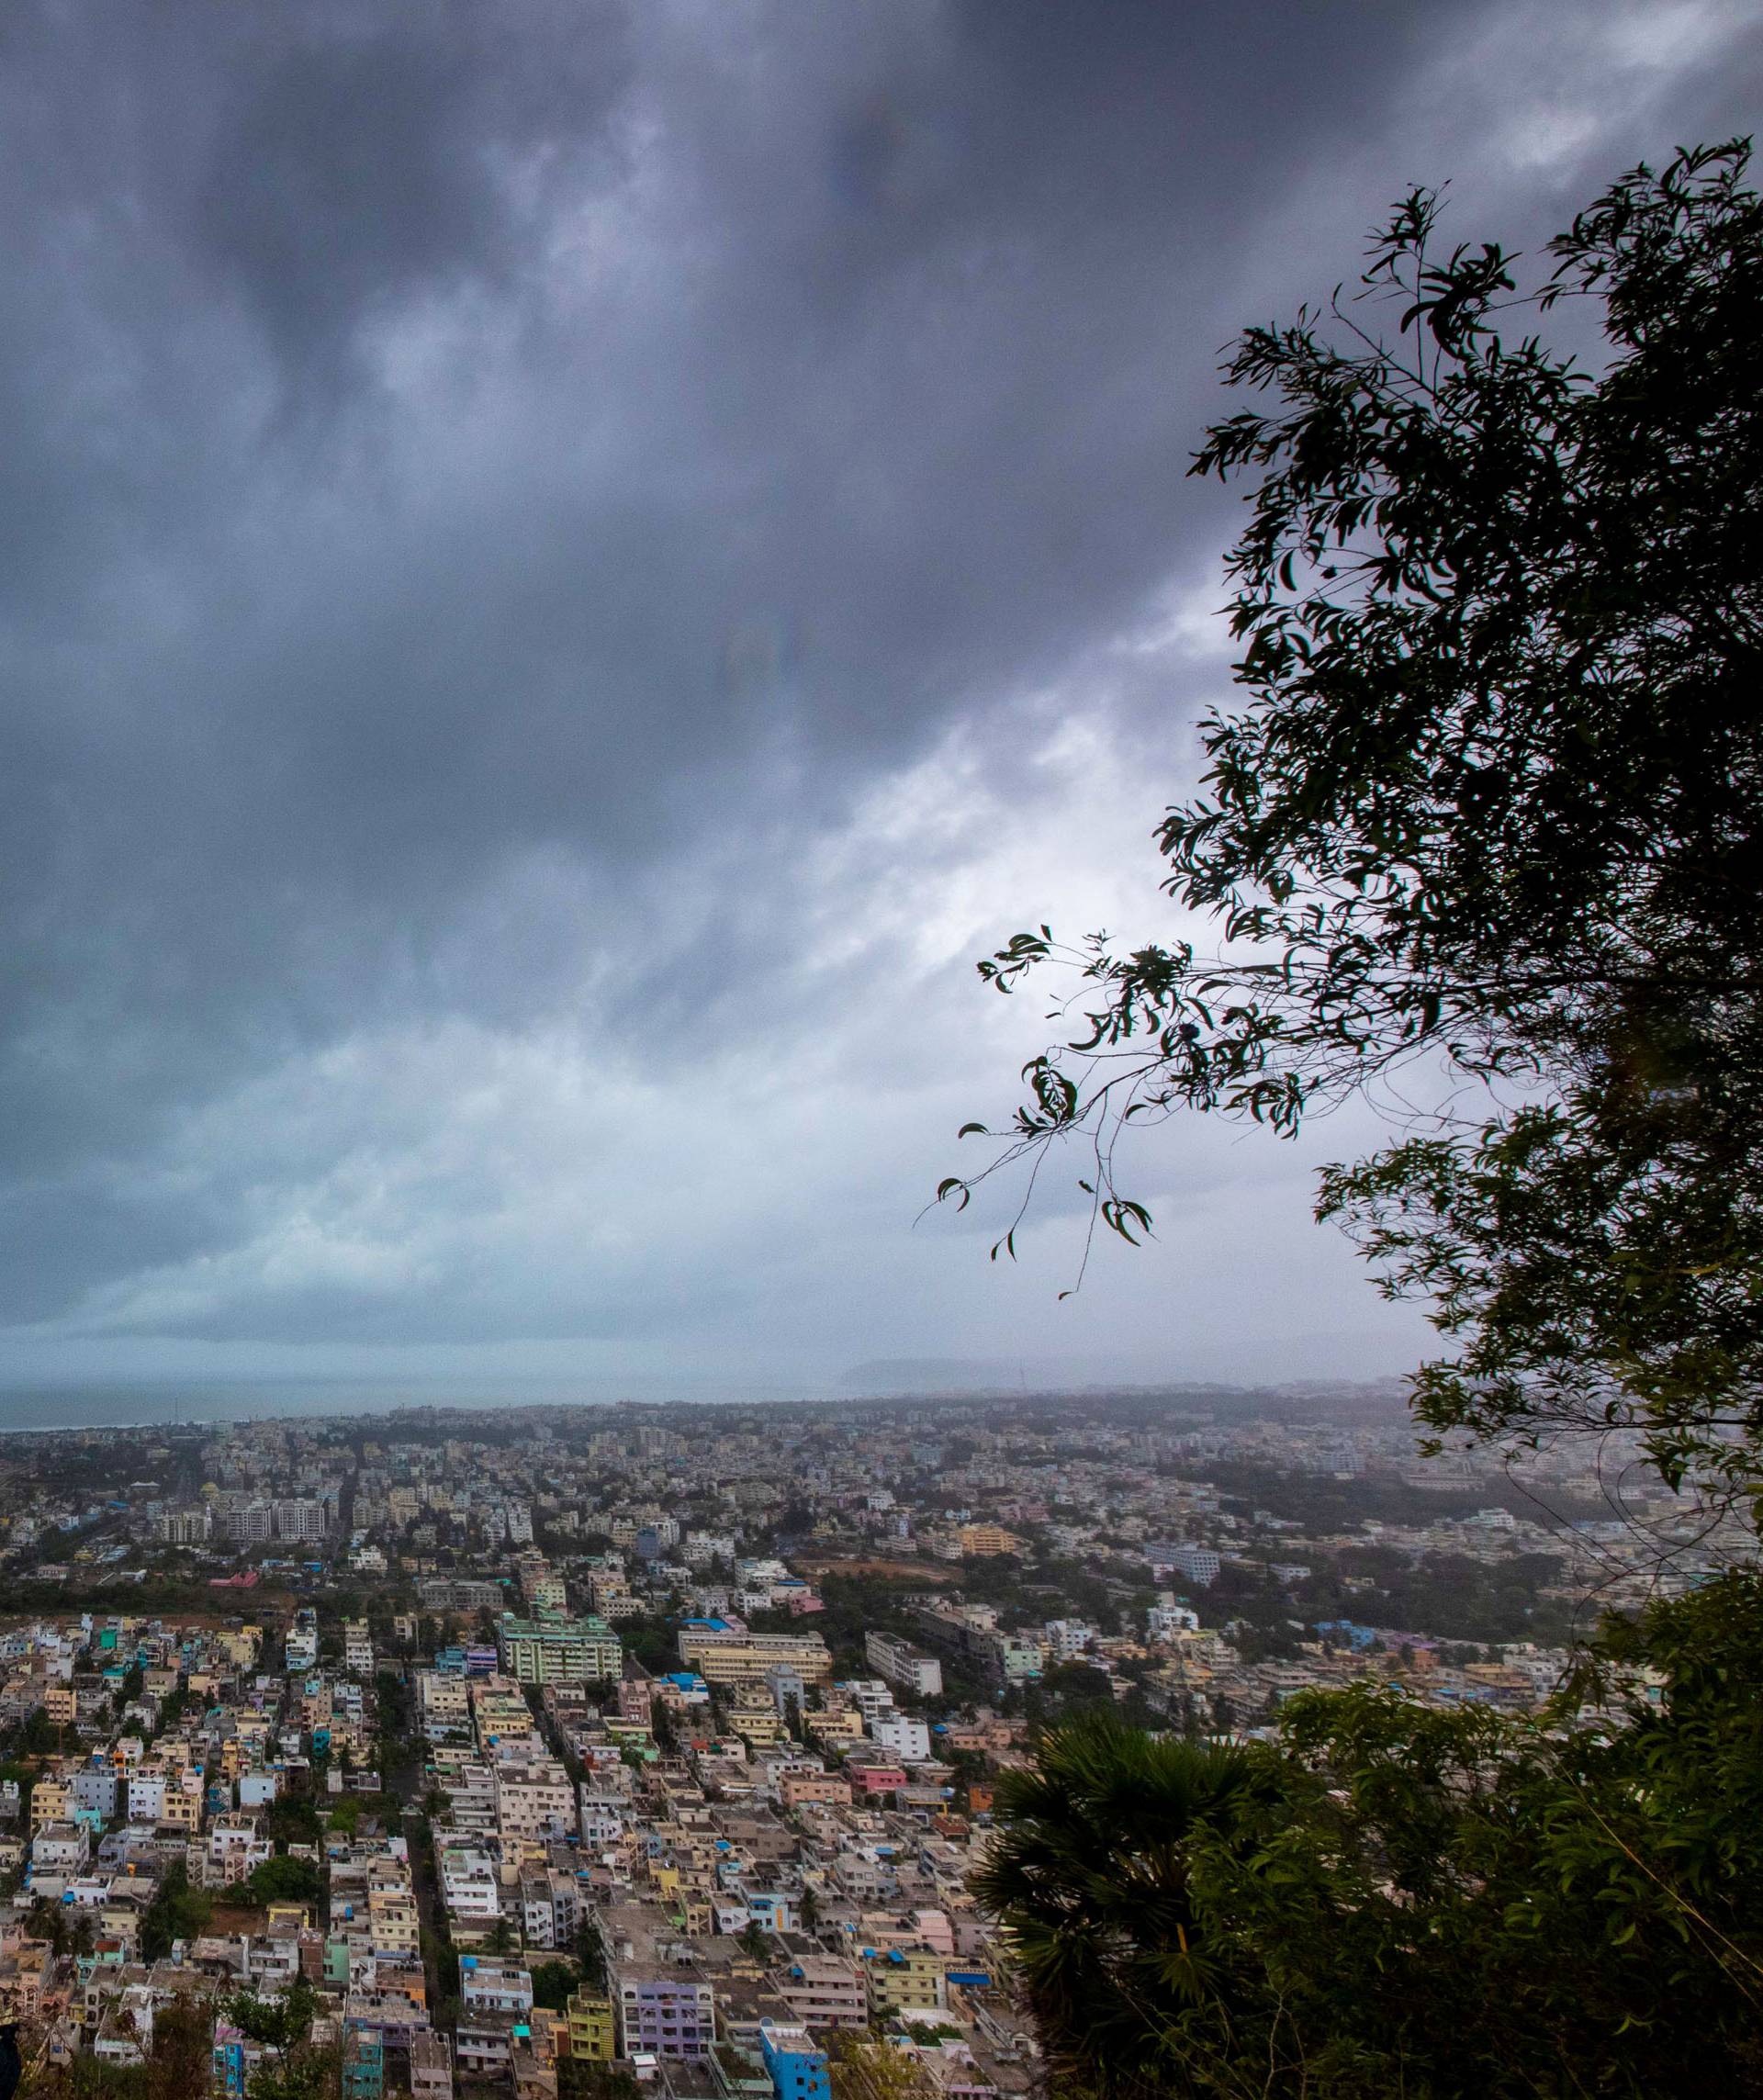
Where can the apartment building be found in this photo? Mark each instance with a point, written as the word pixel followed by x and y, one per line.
pixel 898 1977
pixel 443 1707
pixel 976 1541
pixel 469 1885
pixel 592 2028
pixel 903 1665
pixel 901 1736
pixel 665 2004
pixel 722 1655
pixel 797 2069
pixel 825 1991
pixel 548 1651
pixel 534 1800
pixel 488 1986
pixel 431 2067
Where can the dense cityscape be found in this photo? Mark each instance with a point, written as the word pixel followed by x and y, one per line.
pixel 567 1750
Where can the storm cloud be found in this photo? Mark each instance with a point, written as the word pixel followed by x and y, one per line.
pixel 565 567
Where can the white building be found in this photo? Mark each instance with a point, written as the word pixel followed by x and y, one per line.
pixel 494 1986
pixel 901 1736
pixel 300 1519
pixel 904 1665
pixel 1067 1639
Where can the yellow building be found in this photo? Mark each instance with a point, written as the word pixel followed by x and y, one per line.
pixel 978 1539
pixel 393 1922
pixel 52 1801
pixel 721 1657
pixel 903 1976
pixel 591 2027
pixel 182 1804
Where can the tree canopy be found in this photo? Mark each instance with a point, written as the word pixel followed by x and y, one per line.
pixel 1489 797
pixel 1398 1899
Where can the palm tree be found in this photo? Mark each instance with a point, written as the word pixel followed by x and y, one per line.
pixel 1089 1880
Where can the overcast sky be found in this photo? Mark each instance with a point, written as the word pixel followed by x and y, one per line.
pixel 566 567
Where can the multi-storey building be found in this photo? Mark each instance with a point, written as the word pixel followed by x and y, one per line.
pixel 534 1799
pixel 901 1977
pixel 798 2070
pixel 431 2067
pixel 300 1519
pixel 443 1707
pixel 825 1991
pixel 903 1736
pixel 986 1540
pixel 904 1665
pixel 723 1655
pixel 553 1651
pixel 592 2028
pixel 488 1986
pixel 300 1644
pixel 250 1523
pixel 665 2004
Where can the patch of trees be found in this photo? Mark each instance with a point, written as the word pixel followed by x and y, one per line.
pixel 177 1911
pixel 1393 1898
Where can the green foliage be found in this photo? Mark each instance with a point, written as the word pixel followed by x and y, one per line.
pixel 172 1709
pixel 1090 1879
pixel 345 1814
pixel 872 2071
pixel 652 1639
pixel 176 2069
pixel 281 2023
pixel 552 1983
pixel 1444 1593
pixel 591 1956
pixel 306 2074
pixel 293 1819
pixel 1492 798
pixel 177 1911
pixel 48 1922
pixel 285 1880
pixel 180 2062
pixel 39 1736
pixel 443 1958
pixel 1406 1900
pixel 1068 1689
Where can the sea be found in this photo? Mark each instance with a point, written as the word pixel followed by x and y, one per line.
pixel 140 1406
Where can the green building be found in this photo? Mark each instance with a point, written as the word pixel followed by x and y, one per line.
pixel 554 1650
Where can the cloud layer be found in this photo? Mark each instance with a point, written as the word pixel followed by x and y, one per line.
pixel 564 569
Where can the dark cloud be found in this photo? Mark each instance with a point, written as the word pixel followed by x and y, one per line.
pixel 361 159
pixel 491 493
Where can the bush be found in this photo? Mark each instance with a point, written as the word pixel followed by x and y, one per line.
pixel 285 1880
